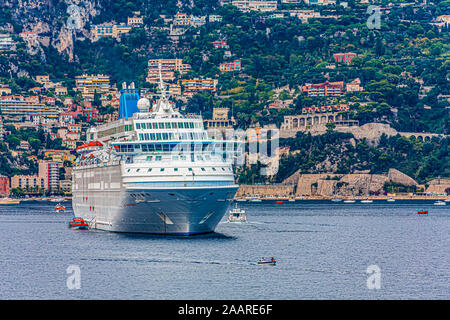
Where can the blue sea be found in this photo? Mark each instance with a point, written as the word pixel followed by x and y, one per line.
pixel 323 251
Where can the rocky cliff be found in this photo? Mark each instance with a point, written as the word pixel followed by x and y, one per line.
pixel 55 23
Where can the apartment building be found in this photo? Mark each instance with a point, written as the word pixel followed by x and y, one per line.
pixel 20 108
pixel 88 85
pixel 255 5
pixel 6 42
pixel 191 86
pixel 168 68
pixel 4 186
pixel 324 89
pixel 230 66
pixel 110 30
pixel 344 57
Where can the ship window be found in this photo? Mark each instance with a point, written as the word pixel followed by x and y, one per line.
pixel 128 170
pixel 203 169
pixel 180 125
pixel 153 125
pixel 174 125
pixel 166 125
pixel 190 169
pixel 138 125
pixel 183 158
pixel 158 158
pixel 158 136
pixel 214 169
pixel 191 125
pixel 165 136
pixel 141 136
pixel 162 169
pixel 186 125
pixel 149 158
pixel 175 158
pixel 158 147
pixel 137 170
pixel 223 169
pixel 146 136
pixel 149 170
pixel 175 169
pixel 152 136
pixel 169 126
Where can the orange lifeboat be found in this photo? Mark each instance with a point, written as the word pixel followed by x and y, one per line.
pixel 422 212
pixel 60 208
pixel 279 202
pixel 78 223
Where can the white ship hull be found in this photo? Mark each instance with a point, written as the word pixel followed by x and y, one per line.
pixel 110 204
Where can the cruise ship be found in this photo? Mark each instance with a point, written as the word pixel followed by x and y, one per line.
pixel 153 170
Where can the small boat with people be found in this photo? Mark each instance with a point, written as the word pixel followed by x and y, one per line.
pixel 59 208
pixel 349 201
pixel 439 203
pixel 237 215
pixel 367 200
pixel 291 200
pixel 267 262
pixel 391 199
pixel 78 223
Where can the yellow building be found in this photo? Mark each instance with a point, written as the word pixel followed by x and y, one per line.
pixel 110 30
pixel 60 155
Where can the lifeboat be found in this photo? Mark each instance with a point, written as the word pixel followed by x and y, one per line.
pixel 279 202
pixel 422 212
pixel 78 223
pixel 60 208
pixel 89 146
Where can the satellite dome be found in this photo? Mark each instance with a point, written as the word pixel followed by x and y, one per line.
pixel 143 104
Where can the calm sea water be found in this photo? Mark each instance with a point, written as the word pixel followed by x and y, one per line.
pixel 323 251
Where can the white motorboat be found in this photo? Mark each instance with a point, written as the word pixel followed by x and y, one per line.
pixel 439 203
pixel 237 215
pixel 366 201
pixel 349 201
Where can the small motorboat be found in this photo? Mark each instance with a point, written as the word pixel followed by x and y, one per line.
pixel 60 208
pixel 267 262
pixel 78 223
pixel 349 201
pixel 422 212
pixel 237 215
pixel 366 201
pixel 291 200
pixel 439 203
pixel 336 200
pixel 391 199
pixel 279 202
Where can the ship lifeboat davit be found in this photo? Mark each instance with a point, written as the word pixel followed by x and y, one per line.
pixel 422 212
pixel 60 208
pixel 78 223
